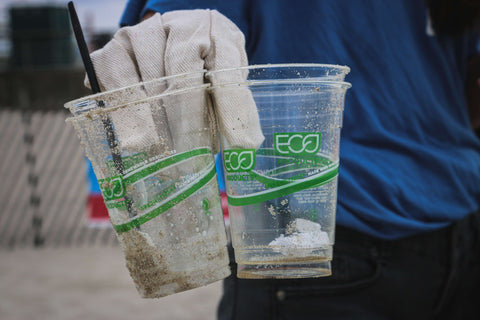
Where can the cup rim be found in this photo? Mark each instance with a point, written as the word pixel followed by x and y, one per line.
pixel 97 96
pixel 251 83
pixel 343 68
pixel 144 100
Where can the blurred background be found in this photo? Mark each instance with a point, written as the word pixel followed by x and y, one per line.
pixel 59 258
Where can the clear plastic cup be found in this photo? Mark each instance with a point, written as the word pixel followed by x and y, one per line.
pixel 157 175
pixel 282 196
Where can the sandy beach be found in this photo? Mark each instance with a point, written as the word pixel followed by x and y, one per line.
pixel 88 283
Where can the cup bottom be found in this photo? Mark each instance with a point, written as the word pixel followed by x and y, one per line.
pixel 283 263
pixel 186 281
pixel 162 270
pixel 285 270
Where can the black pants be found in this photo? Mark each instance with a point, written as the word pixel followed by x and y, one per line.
pixel 434 275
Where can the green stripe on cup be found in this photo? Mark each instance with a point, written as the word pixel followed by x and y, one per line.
pixel 138 221
pixel 270 182
pixel 267 181
pixel 283 190
pixel 145 172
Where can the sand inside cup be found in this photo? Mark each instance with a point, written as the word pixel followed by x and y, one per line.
pixel 151 267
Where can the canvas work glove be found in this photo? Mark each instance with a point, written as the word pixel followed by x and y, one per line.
pixel 174 43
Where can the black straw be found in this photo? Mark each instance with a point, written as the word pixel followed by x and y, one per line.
pixel 82 46
pixel 92 78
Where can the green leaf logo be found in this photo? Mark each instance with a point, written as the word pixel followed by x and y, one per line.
pixel 297 143
pixel 112 188
pixel 239 160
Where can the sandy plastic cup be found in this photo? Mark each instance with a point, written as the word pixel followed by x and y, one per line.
pixel 282 196
pixel 157 175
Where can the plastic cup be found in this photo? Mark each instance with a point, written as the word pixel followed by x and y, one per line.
pixel 157 175
pixel 282 196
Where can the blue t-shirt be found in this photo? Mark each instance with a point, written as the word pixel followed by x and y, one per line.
pixel 409 161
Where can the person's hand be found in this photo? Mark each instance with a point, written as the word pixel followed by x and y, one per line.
pixel 174 43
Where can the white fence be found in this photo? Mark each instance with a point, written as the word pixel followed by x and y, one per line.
pixel 43 187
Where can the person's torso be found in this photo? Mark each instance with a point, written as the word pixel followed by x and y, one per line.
pixel 409 161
